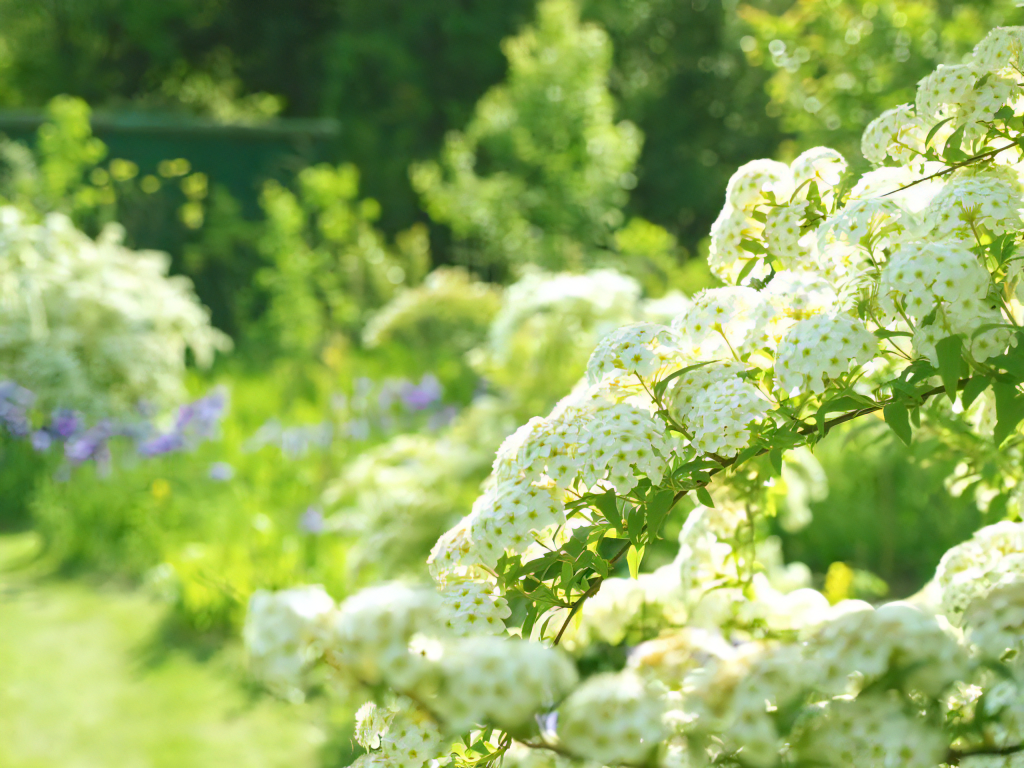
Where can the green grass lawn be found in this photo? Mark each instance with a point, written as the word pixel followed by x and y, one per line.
pixel 86 681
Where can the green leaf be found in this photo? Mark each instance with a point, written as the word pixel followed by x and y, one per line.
pixel 633 559
pixel 608 506
pixel 704 497
pixel 1005 112
pixel 935 129
pixel 635 524
pixel 951 363
pixel 775 457
pixel 658 507
pixel 567 575
pixel 897 417
pixel 973 389
pixel 752 246
pixel 659 388
pixel 953 152
pixel 1009 410
pixel 748 267
pixel 882 333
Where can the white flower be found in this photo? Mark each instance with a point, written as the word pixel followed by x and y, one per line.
pixel 91 325
pixel 872 731
pixel 281 635
pixel 487 680
pixel 969 202
pixel 948 85
pixel 723 414
pixel 897 640
pixel 999 50
pixel 751 182
pixel 898 134
pixel 823 165
pixel 725 322
pixel 950 281
pixel 821 348
pixel 372 722
pixel 372 630
pixel 472 608
pixel 783 231
pixel 612 719
pixel 629 349
pixel 968 571
pixel 728 255
pixel 996 619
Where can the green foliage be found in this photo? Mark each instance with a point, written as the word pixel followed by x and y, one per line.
pixel 67 149
pixel 218 540
pixel 329 264
pixel 886 511
pixel 22 470
pixel 679 74
pixel 835 65
pixel 540 174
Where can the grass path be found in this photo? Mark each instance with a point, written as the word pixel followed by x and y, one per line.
pixel 83 684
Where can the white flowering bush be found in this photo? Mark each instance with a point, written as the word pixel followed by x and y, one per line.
pixel 91 325
pixel 894 296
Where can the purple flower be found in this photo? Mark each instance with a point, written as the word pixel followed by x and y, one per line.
pixel 204 415
pixel 422 396
pixel 41 440
pixel 15 419
pixel 221 471
pixel 64 423
pixel 161 444
pixel 312 520
pixel 91 444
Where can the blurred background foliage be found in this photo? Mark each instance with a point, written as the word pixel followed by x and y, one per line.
pixel 415 220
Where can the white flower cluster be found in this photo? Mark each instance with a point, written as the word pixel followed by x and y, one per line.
pixel 397 737
pixel 504 682
pixel 632 349
pixel 992 557
pixel 822 348
pixel 586 442
pixel 473 608
pixel 725 412
pixel 873 731
pixel 947 280
pixel 898 640
pixel 449 301
pixel 569 305
pixel 995 620
pixel 612 719
pixel 767 199
pixel 91 325
pixel 282 631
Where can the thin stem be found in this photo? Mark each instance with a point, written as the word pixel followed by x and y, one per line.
pixel 954 756
pixel 949 169
pixel 593 590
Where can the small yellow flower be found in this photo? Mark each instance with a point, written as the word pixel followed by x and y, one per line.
pixel 160 489
pixel 838 582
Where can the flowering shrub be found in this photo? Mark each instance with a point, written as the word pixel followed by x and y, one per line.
pixel 399 496
pixel 899 295
pixel 91 325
